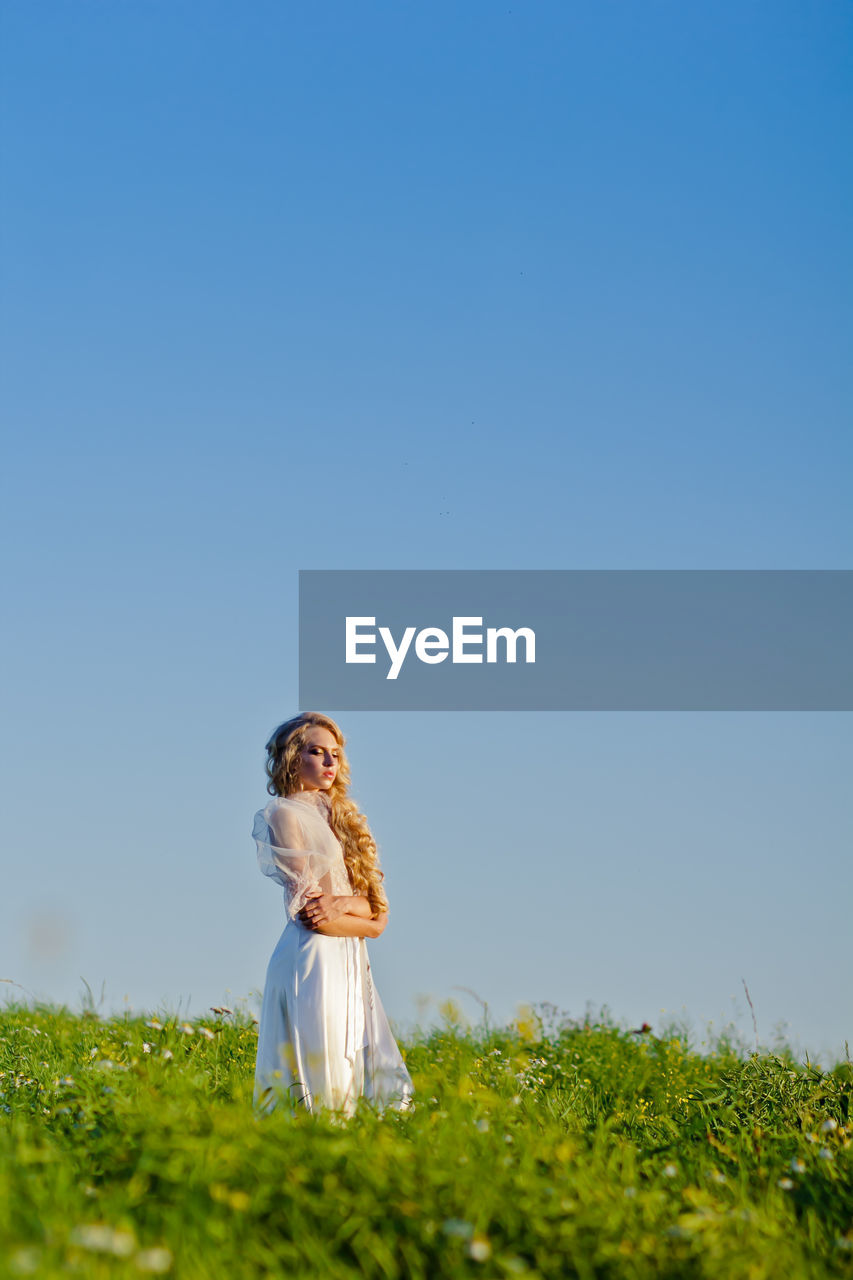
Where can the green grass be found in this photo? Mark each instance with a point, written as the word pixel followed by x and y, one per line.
pixel 129 1148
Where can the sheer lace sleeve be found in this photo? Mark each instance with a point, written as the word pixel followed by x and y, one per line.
pixel 288 855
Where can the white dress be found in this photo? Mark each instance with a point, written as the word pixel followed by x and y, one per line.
pixel 324 1039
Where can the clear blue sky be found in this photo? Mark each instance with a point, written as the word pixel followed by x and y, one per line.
pixel 538 285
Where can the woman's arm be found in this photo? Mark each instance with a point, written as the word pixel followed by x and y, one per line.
pixel 356 905
pixel 322 908
pixel 351 926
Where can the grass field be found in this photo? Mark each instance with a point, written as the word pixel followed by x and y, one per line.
pixel 128 1147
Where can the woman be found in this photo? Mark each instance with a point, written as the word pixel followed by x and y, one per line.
pixel 324 1039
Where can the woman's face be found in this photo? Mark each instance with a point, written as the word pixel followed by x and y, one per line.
pixel 319 760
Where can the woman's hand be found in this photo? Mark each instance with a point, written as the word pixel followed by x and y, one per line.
pixel 321 908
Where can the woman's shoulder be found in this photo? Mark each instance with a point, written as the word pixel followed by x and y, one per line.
pixel 281 812
pixel 274 802
pixel 297 811
pixel 273 805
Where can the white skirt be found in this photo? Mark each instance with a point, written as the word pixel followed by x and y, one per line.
pixel 324 1039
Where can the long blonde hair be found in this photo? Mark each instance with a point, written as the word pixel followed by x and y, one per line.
pixel 349 825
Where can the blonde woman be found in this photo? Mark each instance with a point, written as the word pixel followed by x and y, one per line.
pixel 324 1039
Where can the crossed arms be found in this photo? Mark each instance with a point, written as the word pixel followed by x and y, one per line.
pixel 299 867
pixel 341 915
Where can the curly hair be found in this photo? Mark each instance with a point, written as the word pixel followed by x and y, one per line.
pixel 284 748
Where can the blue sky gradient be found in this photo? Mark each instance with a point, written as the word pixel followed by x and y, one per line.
pixel 394 285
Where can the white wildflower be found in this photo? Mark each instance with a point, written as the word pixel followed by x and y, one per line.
pixel 825 1154
pixel 154 1024
pixel 457 1227
pixel 168 1055
pixel 155 1261
pixel 207 1033
pixel 669 1171
pixel 187 1028
pixel 97 1237
pixel 25 1262
pixel 785 1184
pixel 146 1047
pixel 829 1125
pixel 479 1249
pixel 797 1165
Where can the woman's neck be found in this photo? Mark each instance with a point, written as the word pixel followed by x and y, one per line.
pixel 316 798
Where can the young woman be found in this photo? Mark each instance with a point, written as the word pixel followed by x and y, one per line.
pixel 324 1039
